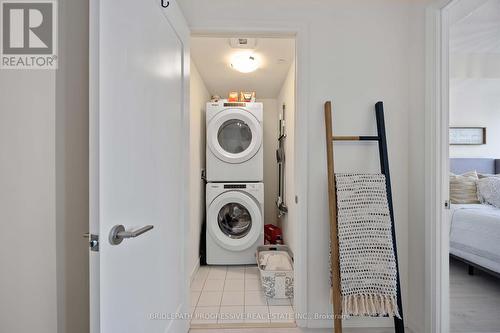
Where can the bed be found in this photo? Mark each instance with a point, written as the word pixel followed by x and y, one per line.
pixel 475 228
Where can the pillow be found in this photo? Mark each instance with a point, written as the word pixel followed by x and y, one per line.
pixel 489 190
pixel 486 175
pixel 463 189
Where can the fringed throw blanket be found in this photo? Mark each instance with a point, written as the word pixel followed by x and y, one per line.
pixel 367 262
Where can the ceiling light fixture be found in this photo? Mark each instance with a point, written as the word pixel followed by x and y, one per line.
pixel 245 62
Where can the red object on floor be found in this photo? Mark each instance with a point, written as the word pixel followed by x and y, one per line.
pixel 272 233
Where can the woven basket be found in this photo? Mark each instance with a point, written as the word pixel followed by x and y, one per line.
pixel 276 284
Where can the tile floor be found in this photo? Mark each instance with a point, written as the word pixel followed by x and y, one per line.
pixel 295 330
pixel 233 295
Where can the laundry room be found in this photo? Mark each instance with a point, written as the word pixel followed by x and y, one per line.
pixel 242 230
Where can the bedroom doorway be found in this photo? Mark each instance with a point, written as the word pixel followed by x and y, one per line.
pixel 474 164
pixel 450 67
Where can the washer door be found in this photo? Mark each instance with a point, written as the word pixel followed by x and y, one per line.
pixel 234 135
pixel 234 220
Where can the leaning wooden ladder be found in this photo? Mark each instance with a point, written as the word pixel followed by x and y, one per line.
pixel 332 198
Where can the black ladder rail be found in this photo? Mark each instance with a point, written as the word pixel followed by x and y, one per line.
pixel 384 167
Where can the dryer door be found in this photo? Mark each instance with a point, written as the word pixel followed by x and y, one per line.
pixel 235 220
pixel 234 135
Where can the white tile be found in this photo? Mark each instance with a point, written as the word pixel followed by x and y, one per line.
pixel 281 314
pixel 255 298
pixel 210 298
pixel 235 273
pixel 202 272
pixel 252 285
pixel 217 272
pixel 234 285
pixel 213 285
pixel 233 298
pixel 278 301
pixel 231 314
pixel 195 295
pixel 205 315
pixel 251 272
pixel 197 284
pixel 257 314
pixel 236 268
pixel 252 276
pixel 292 329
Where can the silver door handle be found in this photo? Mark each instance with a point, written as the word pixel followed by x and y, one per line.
pixel 118 233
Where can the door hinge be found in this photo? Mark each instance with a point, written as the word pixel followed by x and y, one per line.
pixel 93 241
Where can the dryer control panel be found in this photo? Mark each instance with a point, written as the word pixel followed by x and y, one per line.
pixel 232 186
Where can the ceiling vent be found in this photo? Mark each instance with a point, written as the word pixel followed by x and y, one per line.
pixel 242 43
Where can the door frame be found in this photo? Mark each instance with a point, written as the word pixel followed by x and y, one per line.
pixel 437 218
pixel 437 317
pixel 175 18
pixel 300 32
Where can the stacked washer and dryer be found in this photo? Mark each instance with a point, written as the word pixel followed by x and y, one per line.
pixel 235 188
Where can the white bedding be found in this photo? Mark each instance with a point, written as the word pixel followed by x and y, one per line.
pixel 475 234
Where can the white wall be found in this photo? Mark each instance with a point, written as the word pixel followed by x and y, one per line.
pixel 359 53
pixel 199 96
pixel 270 164
pixel 44 187
pixel 27 202
pixel 475 65
pixel 474 82
pixel 476 102
pixel 286 96
pixel 415 316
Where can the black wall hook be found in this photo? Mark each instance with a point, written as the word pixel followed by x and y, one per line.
pixel 165 4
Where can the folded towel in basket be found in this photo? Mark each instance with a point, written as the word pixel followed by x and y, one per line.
pixel 368 271
pixel 275 261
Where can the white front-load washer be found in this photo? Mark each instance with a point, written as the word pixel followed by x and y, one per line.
pixel 234 142
pixel 235 222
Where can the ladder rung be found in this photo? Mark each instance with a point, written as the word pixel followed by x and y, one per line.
pixel 355 138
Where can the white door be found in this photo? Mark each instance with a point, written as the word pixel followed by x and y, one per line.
pixel 138 163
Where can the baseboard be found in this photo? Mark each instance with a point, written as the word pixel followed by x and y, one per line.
pixel 369 322
pixel 354 323
pixel 414 328
pixel 243 325
pixel 175 326
pixel 194 270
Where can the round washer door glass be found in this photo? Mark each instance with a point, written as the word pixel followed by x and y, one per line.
pixel 234 220
pixel 234 136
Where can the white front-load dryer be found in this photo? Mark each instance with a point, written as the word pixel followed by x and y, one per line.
pixel 234 142
pixel 235 222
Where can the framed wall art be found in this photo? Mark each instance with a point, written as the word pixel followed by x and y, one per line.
pixel 467 135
